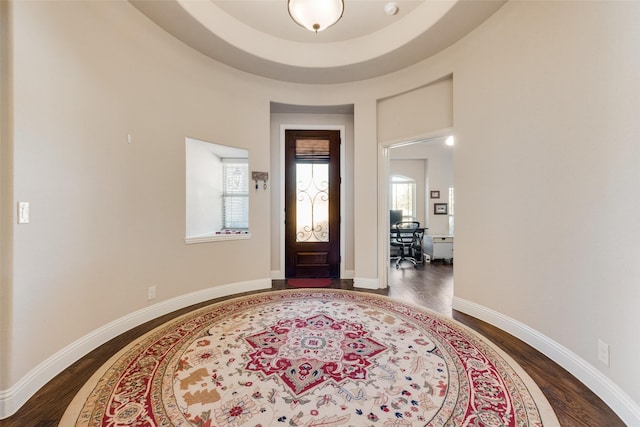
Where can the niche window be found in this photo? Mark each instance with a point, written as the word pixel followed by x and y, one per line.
pixel 403 196
pixel 235 194
pixel 217 192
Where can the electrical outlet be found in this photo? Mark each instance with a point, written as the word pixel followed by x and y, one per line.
pixel 603 352
pixel 151 293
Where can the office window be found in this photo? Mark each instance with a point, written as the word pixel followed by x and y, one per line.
pixel 403 196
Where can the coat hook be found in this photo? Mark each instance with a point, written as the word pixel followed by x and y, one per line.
pixel 260 176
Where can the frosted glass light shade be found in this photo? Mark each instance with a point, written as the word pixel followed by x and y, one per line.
pixel 316 15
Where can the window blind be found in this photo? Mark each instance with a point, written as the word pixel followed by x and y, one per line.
pixel 235 194
pixel 312 150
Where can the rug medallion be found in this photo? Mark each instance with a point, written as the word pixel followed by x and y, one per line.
pixel 310 358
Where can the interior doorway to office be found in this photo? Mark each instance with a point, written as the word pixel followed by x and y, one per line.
pixel 312 203
pixel 427 166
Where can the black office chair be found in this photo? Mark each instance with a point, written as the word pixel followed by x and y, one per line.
pixel 406 237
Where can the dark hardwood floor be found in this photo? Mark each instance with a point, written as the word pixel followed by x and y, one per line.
pixel 430 286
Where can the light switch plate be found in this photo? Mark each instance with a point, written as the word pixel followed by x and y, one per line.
pixel 23 212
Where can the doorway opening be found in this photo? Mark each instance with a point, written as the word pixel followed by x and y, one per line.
pixel 423 170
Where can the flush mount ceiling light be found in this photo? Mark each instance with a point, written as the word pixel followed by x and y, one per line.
pixel 316 15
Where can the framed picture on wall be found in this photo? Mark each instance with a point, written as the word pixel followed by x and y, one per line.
pixel 440 208
pixel 435 194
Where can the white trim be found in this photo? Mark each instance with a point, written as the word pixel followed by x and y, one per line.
pixel 364 283
pixel 383 214
pixel 343 185
pixel 348 274
pixel 16 396
pixel 217 238
pixel 596 381
pixel 277 275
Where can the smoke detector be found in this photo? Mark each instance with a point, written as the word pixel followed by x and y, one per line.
pixel 391 8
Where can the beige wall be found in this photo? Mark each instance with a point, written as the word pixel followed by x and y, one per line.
pixel 545 115
pixel 413 114
pixel 108 217
pixel 546 118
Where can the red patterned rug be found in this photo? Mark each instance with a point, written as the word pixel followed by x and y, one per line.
pixel 310 358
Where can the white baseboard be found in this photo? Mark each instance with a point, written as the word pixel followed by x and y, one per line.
pixel 12 399
pixel 360 282
pixel 607 390
pixel 348 274
pixel 277 275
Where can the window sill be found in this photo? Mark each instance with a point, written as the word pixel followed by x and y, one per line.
pixel 216 238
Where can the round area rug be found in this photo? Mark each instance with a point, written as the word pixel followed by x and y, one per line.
pixel 310 358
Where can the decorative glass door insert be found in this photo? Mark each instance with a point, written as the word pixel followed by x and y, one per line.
pixel 312 202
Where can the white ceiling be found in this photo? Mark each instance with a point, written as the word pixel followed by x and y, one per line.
pixel 271 17
pixel 259 37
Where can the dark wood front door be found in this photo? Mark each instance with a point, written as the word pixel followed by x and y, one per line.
pixel 312 203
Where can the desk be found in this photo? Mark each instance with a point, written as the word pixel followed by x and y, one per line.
pixel 439 247
pixel 416 251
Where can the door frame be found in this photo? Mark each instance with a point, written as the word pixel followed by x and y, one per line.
pixel 384 176
pixel 283 129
